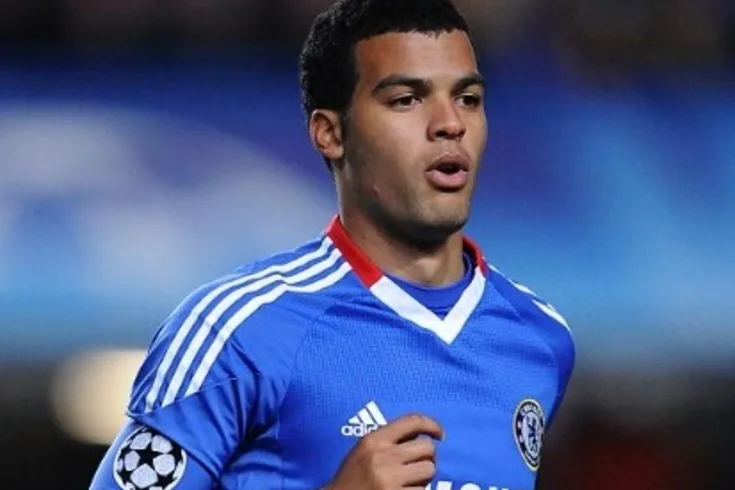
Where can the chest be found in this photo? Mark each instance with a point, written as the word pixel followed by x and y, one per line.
pixel 490 390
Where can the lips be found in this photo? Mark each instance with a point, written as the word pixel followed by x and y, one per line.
pixel 449 172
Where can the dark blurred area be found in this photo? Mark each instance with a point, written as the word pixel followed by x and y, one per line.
pixel 607 38
pixel 663 420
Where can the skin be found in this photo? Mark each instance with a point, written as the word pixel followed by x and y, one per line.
pixel 418 97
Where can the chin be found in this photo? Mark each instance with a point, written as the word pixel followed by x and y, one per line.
pixel 438 229
pixel 427 227
pixel 448 217
pixel 451 225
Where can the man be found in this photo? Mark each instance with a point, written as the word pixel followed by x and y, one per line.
pixel 386 354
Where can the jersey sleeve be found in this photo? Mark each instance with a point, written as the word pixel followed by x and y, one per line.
pixel 140 457
pixel 205 388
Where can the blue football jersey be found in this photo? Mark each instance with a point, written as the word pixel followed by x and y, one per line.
pixel 268 377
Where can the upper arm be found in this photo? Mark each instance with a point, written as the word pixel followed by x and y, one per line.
pixel 143 457
pixel 211 375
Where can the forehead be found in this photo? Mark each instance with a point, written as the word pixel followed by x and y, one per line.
pixel 415 54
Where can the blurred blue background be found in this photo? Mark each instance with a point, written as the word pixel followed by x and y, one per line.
pixel 148 147
pixel 125 186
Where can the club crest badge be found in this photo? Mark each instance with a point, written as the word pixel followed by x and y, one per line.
pixel 528 427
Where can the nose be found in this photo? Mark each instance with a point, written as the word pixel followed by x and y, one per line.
pixel 446 122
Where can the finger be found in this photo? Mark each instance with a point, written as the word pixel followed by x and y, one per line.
pixel 414 450
pixel 418 473
pixel 409 427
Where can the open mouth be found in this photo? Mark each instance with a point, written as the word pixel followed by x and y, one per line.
pixel 449 173
pixel 449 168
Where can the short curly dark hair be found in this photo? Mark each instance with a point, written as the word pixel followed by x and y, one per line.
pixel 327 66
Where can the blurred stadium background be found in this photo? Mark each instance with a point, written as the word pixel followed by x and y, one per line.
pixel 147 146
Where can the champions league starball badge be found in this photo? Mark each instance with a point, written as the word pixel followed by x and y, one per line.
pixel 149 461
pixel 528 426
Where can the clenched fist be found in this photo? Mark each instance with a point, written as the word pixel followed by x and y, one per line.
pixel 393 457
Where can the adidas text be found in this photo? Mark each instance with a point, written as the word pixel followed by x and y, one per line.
pixel 358 430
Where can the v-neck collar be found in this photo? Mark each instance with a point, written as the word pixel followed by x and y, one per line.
pixel 405 305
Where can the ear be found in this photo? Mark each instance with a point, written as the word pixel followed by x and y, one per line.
pixel 325 129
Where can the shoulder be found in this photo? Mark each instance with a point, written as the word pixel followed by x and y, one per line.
pixel 249 323
pixel 282 290
pixel 526 301
pixel 546 320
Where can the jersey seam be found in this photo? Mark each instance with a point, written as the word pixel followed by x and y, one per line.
pixel 308 330
pixel 307 333
pixel 285 395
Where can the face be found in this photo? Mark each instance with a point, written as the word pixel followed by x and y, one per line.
pixel 416 130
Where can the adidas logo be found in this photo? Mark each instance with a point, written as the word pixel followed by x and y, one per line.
pixel 366 421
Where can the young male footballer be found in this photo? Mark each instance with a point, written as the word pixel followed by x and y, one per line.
pixel 386 353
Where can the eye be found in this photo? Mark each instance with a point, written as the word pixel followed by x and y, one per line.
pixel 470 100
pixel 405 101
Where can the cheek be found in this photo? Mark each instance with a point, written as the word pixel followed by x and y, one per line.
pixel 393 133
pixel 387 155
pixel 402 156
pixel 388 147
pixel 388 138
pixel 480 141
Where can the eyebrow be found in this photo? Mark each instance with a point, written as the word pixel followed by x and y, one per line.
pixel 424 85
pixel 468 81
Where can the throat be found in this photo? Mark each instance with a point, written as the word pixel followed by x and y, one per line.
pixel 438 265
pixel 439 299
pixel 430 272
pixel 429 268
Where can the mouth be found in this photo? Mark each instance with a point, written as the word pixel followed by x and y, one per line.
pixel 449 173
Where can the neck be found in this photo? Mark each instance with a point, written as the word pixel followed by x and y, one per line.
pixel 437 265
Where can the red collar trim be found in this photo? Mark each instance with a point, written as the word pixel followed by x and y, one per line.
pixel 368 272
pixel 365 269
pixel 477 256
